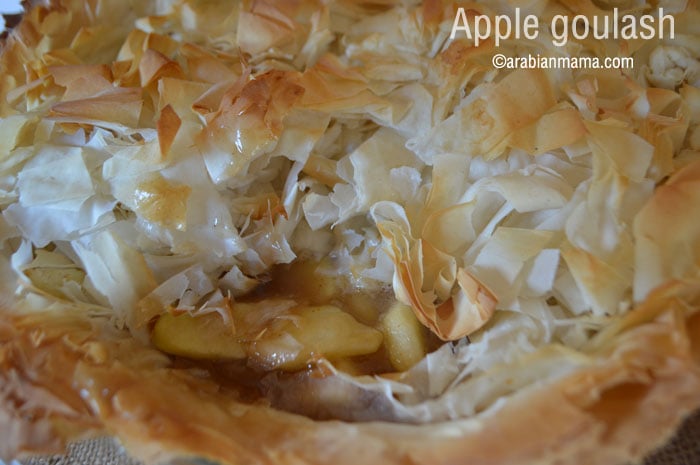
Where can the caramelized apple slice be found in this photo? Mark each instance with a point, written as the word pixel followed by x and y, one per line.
pixel 53 280
pixel 201 337
pixel 293 340
pixel 404 336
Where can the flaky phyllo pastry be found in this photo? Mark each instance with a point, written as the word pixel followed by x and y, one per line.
pixel 327 232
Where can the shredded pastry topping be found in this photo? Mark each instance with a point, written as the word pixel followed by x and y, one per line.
pixel 337 199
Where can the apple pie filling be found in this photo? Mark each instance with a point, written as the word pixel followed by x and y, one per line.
pixel 301 318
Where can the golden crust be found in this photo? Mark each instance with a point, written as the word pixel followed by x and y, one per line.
pixel 66 375
pixel 64 378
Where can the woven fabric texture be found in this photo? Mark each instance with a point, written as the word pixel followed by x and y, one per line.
pixel 684 448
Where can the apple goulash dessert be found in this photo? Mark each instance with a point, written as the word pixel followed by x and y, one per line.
pixel 332 231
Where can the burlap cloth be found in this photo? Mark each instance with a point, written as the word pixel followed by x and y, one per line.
pixel 684 449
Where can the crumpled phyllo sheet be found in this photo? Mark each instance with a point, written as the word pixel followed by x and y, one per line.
pixel 119 106
pixel 69 34
pixel 91 96
pixel 183 292
pixel 600 255
pixel 666 244
pixel 539 223
pixel 249 122
pixel 52 208
pixel 337 89
pixel 445 298
pixel 490 115
pixel 382 170
pixel 393 45
pixel 668 63
pixel 283 30
pixel 117 274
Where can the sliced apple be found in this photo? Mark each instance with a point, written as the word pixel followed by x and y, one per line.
pixel 404 336
pixel 200 337
pixel 293 340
